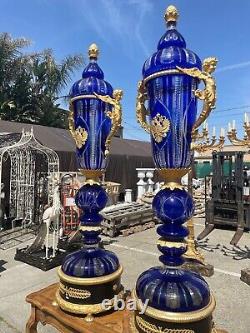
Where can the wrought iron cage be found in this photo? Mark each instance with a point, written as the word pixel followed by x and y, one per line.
pixel 26 155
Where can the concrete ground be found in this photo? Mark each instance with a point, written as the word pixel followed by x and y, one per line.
pixel 137 253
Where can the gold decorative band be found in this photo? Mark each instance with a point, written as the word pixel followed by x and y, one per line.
pixel 92 176
pixel 150 328
pixel 132 327
pixel 172 186
pixel 80 308
pixel 166 72
pixel 147 327
pixel 81 97
pixel 172 177
pixel 74 292
pixel 89 228
pixel 95 96
pixel 178 317
pixel 177 245
pixel 89 281
pixel 173 174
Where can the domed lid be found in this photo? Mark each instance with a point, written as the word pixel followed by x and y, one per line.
pixel 92 78
pixel 171 50
pixel 90 262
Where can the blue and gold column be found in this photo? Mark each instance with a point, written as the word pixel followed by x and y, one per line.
pixel 92 274
pixel 179 300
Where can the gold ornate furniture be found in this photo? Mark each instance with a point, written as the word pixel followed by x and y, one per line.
pixel 47 312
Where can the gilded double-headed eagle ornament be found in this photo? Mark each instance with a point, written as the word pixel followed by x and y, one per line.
pixel 80 135
pixel 159 125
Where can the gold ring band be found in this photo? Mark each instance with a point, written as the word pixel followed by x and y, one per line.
pixel 180 317
pixel 89 281
pixel 169 244
pixel 81 97
pixel 166 72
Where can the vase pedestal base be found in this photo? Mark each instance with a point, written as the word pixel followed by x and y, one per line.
pixel 84 296
pixel 139 324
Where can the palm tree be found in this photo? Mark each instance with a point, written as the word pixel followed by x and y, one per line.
pixel 10 63
pixel 31 83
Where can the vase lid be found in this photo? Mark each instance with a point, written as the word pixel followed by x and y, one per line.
pixel 92 77
pixel 171 49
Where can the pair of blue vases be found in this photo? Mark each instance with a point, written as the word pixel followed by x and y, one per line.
pixel 179 300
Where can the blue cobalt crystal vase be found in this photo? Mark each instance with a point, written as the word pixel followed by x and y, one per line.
pixel 92 274
pixel 177 299
pixel 95 115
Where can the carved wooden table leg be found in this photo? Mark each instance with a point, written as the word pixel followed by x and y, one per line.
pixel 45 311
pixel 31 326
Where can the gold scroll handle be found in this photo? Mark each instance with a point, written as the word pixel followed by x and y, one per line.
pixel 160 128
pixel 208 94
pixel 79 134
pixel 115 115
pixel 159 125
pixel 141 111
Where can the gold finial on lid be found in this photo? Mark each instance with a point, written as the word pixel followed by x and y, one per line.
pixel 171 14
pixel 93 51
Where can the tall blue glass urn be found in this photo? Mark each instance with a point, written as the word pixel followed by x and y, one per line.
pixel 92 274
pixel 178 300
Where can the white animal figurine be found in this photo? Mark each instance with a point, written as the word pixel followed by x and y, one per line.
pixel 51 214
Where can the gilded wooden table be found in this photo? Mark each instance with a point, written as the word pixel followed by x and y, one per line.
pixel 46 311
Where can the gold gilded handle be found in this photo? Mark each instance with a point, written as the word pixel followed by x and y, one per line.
pixel 141 112
pixel 208 94
pixel 80 135
pixel 159 125
pixel 115 115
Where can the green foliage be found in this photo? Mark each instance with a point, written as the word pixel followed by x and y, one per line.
pixel 31 83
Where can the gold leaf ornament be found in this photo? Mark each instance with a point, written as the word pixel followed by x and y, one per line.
pixel 74 292
pixel 147 327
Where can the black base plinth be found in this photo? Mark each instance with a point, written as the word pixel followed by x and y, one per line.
pixel 37 258
pixel 143 323
pixel 245 275
pixel 197 267
pixel 85 295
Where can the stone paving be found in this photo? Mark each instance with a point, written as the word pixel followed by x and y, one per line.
pixel 137 252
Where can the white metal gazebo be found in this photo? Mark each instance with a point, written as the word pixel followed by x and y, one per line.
pixel 23 158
